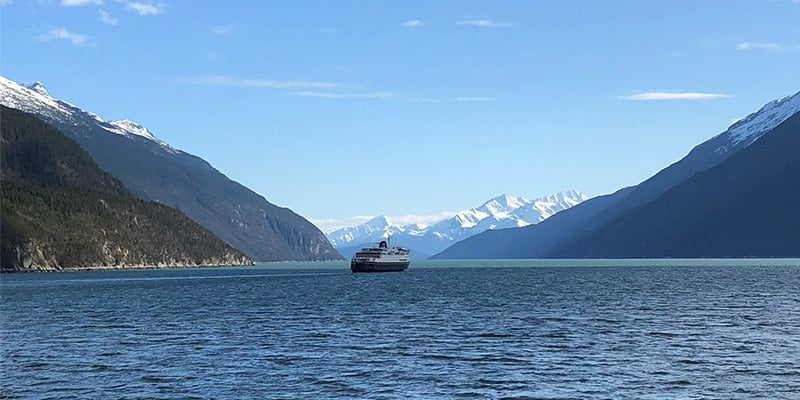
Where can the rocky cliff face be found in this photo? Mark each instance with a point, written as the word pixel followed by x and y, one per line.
pixel 35 256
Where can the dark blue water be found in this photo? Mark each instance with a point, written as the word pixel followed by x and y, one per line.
pixel 647 332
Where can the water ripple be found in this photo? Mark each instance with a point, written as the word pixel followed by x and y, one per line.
pixel 461 333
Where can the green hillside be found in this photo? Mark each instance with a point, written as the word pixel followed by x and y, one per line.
pixel 61 211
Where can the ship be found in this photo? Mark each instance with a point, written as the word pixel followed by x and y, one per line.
pixel 383 258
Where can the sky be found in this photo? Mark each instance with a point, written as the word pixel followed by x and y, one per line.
pixel 343 110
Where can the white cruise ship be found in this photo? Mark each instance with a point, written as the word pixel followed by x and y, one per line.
pixel 380 259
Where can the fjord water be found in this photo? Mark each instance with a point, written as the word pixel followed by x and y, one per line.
pixel 517 329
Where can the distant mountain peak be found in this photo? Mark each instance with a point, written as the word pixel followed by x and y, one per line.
pixel 503 211
pixel 381 222
pixel 503 203
pixel 378 220
pixel 37 87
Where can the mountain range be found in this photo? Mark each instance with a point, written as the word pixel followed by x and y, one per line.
pixel 504 211
pixel 639 216
pixel 153 170
pixel 730 196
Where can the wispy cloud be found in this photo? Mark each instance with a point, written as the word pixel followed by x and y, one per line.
pixel 106 18
pixel 475 98
pixel 63 34
pixel 465 99
pixel 649 96
pixel 224 30
pixel 81 3
pixel 305 88
pixel 414 23
pixel 771 47
pixel 483 23
pixel 5 2
pixel 258 83
pixel 144 8
pixel 329 95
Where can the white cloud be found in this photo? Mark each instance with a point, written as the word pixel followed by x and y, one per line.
pixel 80 3
pixel 144 8
pixel 475 98
pixel 5 2
pixel 257 83
pixel 313 88
pixel 483 23
pixel 224 30
pixel 412 23
pixel 771 47
pixel 328 95
pixel 63 34
pixel 673 96
pixel 106 18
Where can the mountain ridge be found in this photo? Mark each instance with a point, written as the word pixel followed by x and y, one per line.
pixel 153 170
pixel 538 240
pixel 60 211
pixel 710 214
pixel 496 213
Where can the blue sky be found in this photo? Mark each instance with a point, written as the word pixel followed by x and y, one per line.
pixel 343 109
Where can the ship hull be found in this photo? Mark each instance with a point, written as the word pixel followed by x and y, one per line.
pixel 384 266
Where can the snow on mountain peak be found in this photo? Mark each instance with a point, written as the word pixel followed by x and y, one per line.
pixel 752 127
pixel 37 87
pixel 503 203
pixel 379 222
pixel 32 101
pixel 375 229
pixel 127 127
pixel 33 98
pixel 504 211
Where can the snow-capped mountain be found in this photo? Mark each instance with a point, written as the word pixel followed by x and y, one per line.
pixel 153 170
pixel 550 238
pixel 371 231
pixel 504 211
pixel 33 98
pixel 752 127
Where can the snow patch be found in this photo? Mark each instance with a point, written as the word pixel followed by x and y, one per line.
pixel 750 128
pixel 504 211
pixel 33 98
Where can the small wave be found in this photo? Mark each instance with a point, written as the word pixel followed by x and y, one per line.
pixel 469 395
pixel 494 335
pixel 666 334
pixel 37 365
pixel 660 372
pixel 678 382
pixel 443 357
pixel 155 379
